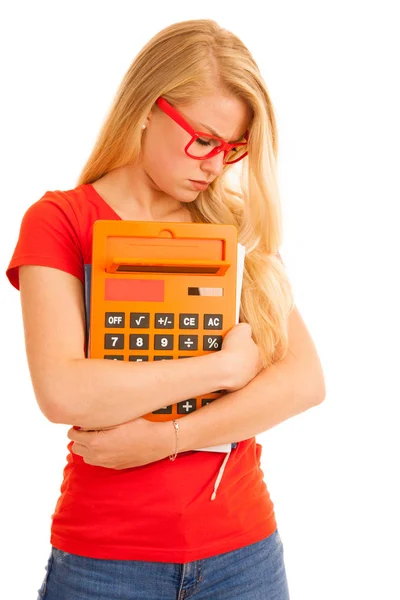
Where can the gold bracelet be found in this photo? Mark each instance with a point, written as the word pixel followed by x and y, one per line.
pixel 176 426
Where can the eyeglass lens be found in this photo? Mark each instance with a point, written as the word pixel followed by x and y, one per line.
pixel 203 146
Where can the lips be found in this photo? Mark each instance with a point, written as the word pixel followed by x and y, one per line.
pixel 199 185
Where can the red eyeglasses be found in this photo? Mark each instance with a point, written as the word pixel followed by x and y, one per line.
pixel 201 142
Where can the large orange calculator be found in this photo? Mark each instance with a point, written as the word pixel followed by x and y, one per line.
pixel 160 291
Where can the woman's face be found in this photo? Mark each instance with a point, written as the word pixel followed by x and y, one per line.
pixel 163 150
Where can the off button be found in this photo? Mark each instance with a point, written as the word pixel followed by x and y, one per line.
pixel 115 319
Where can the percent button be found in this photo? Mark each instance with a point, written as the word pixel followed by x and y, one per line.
pixel 212 342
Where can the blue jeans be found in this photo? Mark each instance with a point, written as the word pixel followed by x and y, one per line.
pixel 254 572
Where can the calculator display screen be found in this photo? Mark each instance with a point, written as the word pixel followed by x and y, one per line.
pixel 137 290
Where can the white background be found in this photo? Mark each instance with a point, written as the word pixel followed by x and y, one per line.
pixel 333 75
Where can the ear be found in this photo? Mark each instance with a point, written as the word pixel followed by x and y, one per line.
pixel 153 111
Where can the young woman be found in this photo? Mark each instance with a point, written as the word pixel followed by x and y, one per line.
pixel 141 514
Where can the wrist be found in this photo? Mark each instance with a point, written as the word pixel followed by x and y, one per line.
pixel 169 437
pixel 224 370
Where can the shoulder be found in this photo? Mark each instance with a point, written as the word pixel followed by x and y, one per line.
pixel 70 204
pixel 70 213
pixel 53 233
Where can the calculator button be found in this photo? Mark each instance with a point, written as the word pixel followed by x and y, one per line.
pixel 138 358
pixel 163 358
pixel 114 340
pixel 188 321
pixel 213 321
pixel 187 406
pixel 212 342
pixel 139 341
pixel 114 357
pixel 115 319
pixel 140 320
pixel 205 401
pixel 188 342
pixel 163 342
pixel 166 410
pixel 164 320
pixel 183 356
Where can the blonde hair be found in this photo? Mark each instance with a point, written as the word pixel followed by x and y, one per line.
pixel 182 63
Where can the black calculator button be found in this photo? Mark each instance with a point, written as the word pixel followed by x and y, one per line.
pixel 115 319
pixel 188 342
pixel 163 342
pixel 205 401
pixel 114 340
pixel 138 358
pixel 163 357
pixel 164 321
pixel 213 321
pixel 140 320
pixel 187 406
pixel 188 321
pixel 139 341
pixel 166 410
pixel 113 357
pixel 212 342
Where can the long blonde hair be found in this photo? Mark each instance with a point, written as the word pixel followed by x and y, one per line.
pixel 182 63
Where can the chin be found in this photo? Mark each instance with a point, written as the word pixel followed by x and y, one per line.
pixel 189 200
pixel 185 197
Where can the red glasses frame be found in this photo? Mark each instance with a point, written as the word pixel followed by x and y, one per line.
pixel 225 147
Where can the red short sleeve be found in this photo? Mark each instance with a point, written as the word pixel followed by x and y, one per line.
pixel 49 236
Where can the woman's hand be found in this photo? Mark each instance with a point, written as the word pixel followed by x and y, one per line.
pixel 131 444
pixel 242 356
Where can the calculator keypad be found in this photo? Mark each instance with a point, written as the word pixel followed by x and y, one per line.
pixel 155 344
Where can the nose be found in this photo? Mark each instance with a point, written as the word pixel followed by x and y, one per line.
pixel 214 165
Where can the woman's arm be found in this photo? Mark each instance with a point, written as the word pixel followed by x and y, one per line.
pixel 281 391
pixel 97 393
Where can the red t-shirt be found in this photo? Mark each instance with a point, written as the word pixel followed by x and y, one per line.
pixel 161 511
